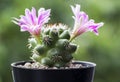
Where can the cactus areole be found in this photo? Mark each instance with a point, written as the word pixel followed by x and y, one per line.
pixel 52 45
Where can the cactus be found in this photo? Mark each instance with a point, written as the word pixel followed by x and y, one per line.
pixel 55 48
pixel 52 44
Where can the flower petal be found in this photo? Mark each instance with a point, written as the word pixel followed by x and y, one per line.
pixel 24 28
pixel 27 15
pixel 43 16
pixel 34 15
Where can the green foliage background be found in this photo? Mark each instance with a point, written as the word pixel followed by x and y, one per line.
pixel 103 50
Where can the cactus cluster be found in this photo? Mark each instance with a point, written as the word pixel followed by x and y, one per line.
pixel 55 48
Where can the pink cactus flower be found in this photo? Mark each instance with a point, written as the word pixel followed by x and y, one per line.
pixel 31 22
pixel 83 23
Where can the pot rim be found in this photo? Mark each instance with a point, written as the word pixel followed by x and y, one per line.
pixel 90 65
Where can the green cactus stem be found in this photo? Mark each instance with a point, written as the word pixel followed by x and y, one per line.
pixel 56 48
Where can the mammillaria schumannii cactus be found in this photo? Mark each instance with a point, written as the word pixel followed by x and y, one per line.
pixel 52 44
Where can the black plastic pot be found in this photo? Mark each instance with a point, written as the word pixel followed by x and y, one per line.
pixel 54 75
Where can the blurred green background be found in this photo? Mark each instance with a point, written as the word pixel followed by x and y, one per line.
pixel 104 49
